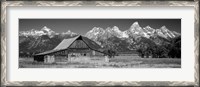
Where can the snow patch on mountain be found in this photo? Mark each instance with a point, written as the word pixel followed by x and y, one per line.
pixel 117 32
pixel 166 32
pixel 69 32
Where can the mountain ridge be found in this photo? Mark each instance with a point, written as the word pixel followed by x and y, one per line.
pixel 36 41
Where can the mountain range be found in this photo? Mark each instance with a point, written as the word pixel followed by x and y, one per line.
pixel 36 41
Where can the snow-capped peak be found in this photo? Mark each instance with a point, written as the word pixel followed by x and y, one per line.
pixel 34 32
pixel 119 32
pixel 165 32
pixel 44 28
pixel 176 33
pixel 69 32
pixel 149 29
pixel 136 30
pixel 147 26
pixel 135 26
pixel 136 23
pixel 164 28
pixel 115 28
pixel 97 30
pixel 47 30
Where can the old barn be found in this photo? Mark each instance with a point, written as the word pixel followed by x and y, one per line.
pixel 77 47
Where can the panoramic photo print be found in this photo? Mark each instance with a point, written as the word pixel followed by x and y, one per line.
pixel 99 43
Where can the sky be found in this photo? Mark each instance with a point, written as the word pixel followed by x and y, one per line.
pixel 82 26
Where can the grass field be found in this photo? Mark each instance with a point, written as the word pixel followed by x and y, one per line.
pixel 117 62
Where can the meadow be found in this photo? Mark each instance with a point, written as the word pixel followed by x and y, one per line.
pixel 116 62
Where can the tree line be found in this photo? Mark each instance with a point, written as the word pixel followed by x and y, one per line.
pixel 172 49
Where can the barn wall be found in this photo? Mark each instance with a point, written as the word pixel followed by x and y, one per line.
pixel 49 59
pixel 61 58
pixel 61 53
pixel 96 53
pixel 69 55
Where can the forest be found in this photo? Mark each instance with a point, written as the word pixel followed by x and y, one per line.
pixel 147 48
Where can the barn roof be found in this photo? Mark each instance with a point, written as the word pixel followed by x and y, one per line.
pixel 67 43
pixel 47 52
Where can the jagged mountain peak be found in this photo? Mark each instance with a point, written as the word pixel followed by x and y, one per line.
pixel 148 26
pixel 135 23
pixel 165 32
pixel 69 32
pixel 117 32
pixel 108 28
pixel 176 33
pixel 115 27
pixel 45 28
pixel 149 29
pixel 135 26
pixel 95 32
pixel 163 27
pixel 97 29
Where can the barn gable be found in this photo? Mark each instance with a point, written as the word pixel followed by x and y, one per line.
pixel 78 44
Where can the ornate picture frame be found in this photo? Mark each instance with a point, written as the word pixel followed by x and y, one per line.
pixel 5 4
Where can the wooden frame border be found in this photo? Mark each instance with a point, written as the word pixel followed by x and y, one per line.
pixel 4 4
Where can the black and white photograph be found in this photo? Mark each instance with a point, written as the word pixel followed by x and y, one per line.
pixel 99 43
